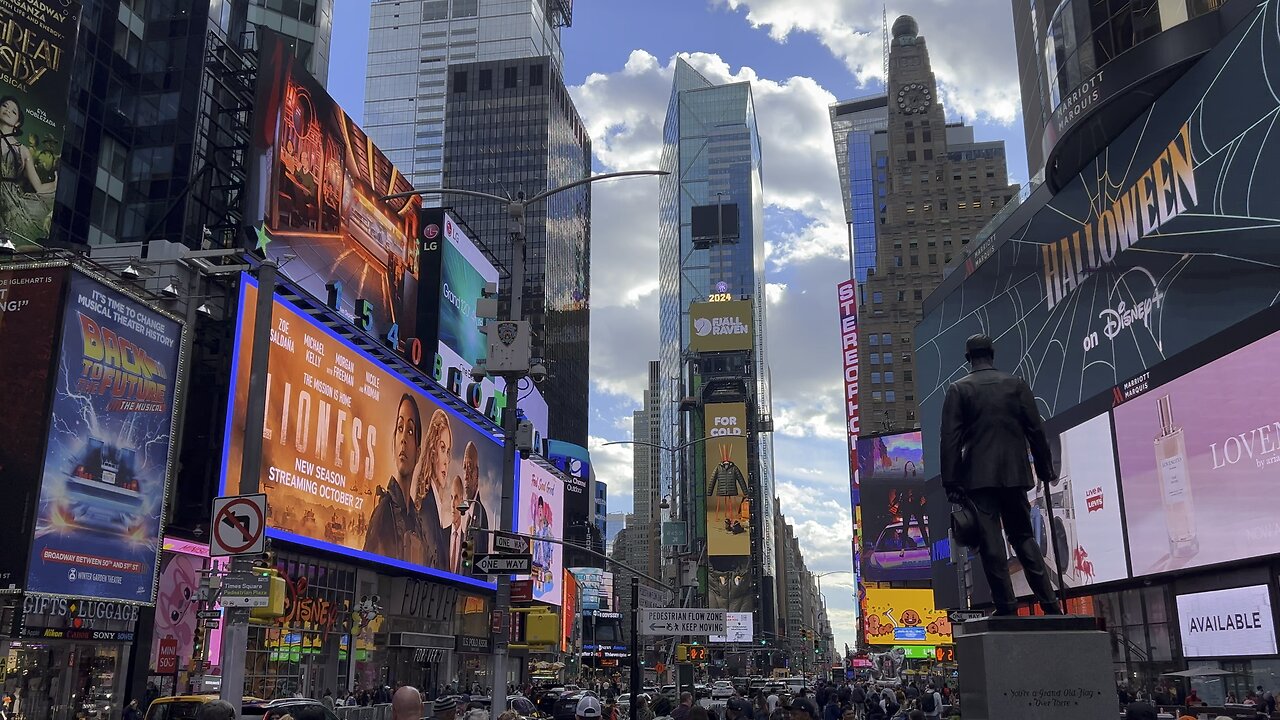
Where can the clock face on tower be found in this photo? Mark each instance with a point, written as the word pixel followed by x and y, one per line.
pixel 914 99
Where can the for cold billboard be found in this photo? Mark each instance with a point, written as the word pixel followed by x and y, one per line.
pixel 1198 477
pixel 356 459
pixel 728 482
pixel 904 617
pixel 30 305
pixel 540 504
pixel 37 49
pixel 895 526
pixel 108 455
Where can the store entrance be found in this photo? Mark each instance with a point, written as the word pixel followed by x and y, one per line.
pixel 65 681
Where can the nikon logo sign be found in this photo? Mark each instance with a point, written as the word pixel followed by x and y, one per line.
pixel 720 326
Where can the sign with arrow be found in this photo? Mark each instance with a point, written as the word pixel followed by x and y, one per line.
pixel 682 621
pixel 491 563
pixel 507 543
pixel 959 616
pixel 239 522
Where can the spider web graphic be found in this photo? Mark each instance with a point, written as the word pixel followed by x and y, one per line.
pixel 1195 274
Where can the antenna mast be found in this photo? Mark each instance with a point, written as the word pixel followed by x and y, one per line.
pixel 884 40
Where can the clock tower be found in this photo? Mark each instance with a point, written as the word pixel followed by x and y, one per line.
pixel 936 188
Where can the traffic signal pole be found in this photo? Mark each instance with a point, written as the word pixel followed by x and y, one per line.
pixel 635 647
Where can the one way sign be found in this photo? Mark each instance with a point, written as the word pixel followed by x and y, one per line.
pixel 491 563
pixel 507 543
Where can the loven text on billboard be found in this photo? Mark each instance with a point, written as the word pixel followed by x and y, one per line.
pixel 109 452
pixel 356 459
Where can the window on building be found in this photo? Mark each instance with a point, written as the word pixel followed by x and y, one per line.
pixel 908 376
pixel 459 81
pixel 911 136
pixel 887 358
pixel 486 80
pixel 927 136
pixel 882 161
pixel 897 261
pixel 946 241
pixel 915 261
pixel 933 258
pixel 890 396
pixel 888 376
pixel 875 378
pixel 906 357
pixel 875 395
pixel 902 296
pixel 873 340
pixel 535 75
pixel 911 156
pixel 874 359
pixel 928 153
pixel 509 77
pixel 877 297
pixel 466 8
pixel 887 338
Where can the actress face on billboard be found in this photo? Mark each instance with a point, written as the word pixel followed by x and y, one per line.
pixel 435 467
pixel 407 442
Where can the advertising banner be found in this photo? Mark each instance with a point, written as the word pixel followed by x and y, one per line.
pixel 728 484
pixel 892 508
pixel 356 459
pixel 1227 623
pixel 176 623
pixel 108 457
pixel 1160 243
pixel 904 617
pixel 575 462
pixel 37 50
pixel 1197 477
pixel 847 293
pixel 595 588
pixel 319 189
pixel 540 503
pixel 1085 514
pixel 720 326
pixel 569 611
pixel 30 306
pixel 739 628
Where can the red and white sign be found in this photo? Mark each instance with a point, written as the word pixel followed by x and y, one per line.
pixel 238 525
pixel 848 294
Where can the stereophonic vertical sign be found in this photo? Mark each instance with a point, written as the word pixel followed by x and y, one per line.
pixel 728 484
pixel 107 461
pixel 37 46
pixel 847 293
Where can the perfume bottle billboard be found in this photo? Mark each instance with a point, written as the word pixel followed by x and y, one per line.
pixel 1199 459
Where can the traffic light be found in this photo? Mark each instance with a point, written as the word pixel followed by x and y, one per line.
pixel 467 549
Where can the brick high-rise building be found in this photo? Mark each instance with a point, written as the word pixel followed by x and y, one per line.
pixel 935 189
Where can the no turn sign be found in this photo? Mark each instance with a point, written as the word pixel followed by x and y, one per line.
pixel 239 522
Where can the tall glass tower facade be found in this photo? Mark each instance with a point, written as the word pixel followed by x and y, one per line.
pixel 854 127
pixel 711 148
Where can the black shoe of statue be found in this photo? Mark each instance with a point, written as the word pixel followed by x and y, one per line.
pixel 1051 608
pixel 1005 612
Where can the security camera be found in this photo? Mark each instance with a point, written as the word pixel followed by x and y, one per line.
pixel 538 373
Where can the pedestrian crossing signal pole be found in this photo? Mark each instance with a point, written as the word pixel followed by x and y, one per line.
pixel 636 651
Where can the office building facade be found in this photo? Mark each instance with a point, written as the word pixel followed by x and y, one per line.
pixel 935 189
pixel 411 46
pixel 854 125
pixel 646 468
pixel 711 148
pixel 512 128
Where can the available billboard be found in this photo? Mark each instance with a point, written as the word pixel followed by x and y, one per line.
pixel 904 617
pixel 1135 266
pixel 1235 622
pixel 728 481
pixel 356 459
pixel 895 526
pixel 109 452
pixel 30 308
pixel 1197 475
pixel 37 52
pixel 319 188
pixel 720 326
pixel 540 508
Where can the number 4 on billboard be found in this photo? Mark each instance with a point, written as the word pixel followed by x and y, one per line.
pixel 393 336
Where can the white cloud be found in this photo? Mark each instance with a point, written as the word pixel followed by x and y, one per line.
pixel 975 78
pixel 613 465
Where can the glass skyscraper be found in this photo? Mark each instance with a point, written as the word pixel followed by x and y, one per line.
pixel 512 128
pixel 711 148
pixel 854 127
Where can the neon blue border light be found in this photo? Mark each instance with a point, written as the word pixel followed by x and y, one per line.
pixel 247 281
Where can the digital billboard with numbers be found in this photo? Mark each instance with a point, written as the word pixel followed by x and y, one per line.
pixel 356 459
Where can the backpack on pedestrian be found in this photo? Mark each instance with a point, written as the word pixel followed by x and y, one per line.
pixel 928 702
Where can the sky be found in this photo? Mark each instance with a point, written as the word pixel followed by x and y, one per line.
pixel 800 58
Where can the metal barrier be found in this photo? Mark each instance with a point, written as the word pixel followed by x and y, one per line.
pixel 367 712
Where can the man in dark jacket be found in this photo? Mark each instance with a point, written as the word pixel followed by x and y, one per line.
pixel 989 418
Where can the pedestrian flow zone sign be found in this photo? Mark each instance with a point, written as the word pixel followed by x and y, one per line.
pixel 682 621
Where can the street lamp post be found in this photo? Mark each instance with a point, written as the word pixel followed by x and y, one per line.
pixel 516 209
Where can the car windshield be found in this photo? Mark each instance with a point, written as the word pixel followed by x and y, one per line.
pixel 184 710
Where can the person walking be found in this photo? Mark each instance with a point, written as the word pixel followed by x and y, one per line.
pixel 931 702
pixel 682 710
pixel 989 419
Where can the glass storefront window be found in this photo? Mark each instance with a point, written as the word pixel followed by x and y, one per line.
pixel 65 681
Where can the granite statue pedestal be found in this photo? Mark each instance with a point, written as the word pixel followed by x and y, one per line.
pixel 1035 668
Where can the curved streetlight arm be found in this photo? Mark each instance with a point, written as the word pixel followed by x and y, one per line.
pixel 593 178
pixel 656 446
pixel 530 201
pixel 446 191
